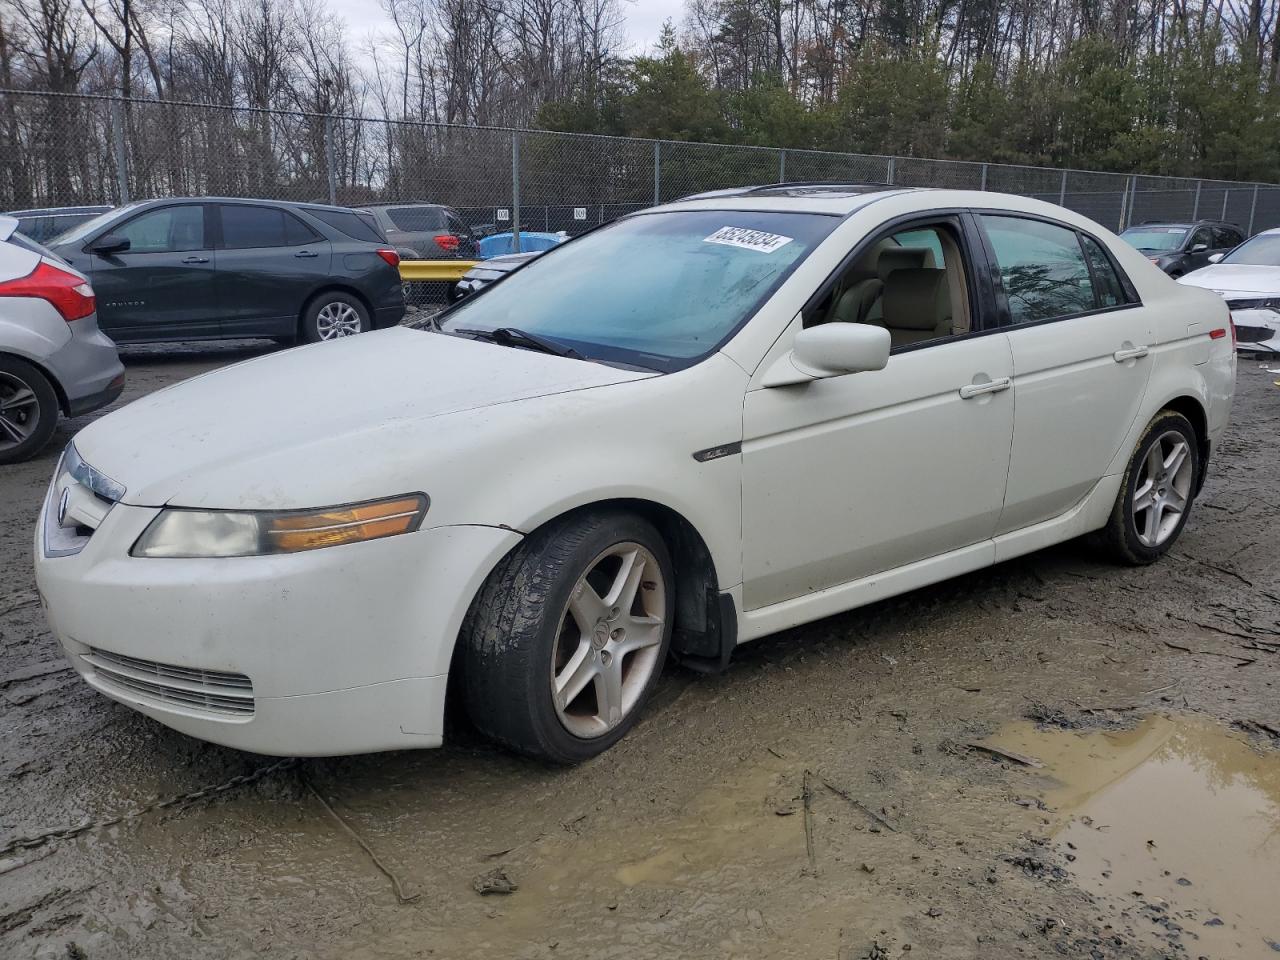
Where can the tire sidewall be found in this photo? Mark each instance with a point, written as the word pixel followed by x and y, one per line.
pixel 48 410
pixel 557 741
pixel 1159 426
pixel 311 331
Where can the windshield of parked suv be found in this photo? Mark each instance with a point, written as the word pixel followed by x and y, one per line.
pixel 80 231
pixel 1155 238
pixel 657 290
pixel 1262 251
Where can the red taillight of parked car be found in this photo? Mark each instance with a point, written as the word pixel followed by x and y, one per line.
pixel 390 256
pixel 447 242
pixel 70 295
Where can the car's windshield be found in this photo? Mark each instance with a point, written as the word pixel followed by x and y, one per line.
pixel 657 290
pixel 82 230
pixel 1262 251
pixel 1155 238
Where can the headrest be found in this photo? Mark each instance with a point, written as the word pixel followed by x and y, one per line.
pixel 915 298
pixel 899 258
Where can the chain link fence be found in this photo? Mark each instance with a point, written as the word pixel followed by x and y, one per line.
pixel 68 150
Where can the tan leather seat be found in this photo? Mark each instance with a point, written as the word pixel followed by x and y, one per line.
pixel 917 305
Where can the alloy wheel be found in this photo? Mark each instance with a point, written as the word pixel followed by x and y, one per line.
pixel 1162 488
pixel 609 640
pixel 19 410
pixel 337 319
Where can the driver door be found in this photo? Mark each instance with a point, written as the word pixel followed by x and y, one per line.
pixel 855 475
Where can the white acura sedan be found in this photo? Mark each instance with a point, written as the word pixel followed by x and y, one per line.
pixel 1248 278
pixel 689 428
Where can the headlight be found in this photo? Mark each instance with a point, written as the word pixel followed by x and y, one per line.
pixel 225 533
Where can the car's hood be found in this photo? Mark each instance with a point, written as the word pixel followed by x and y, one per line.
pixel 232 434
pixel 1235 278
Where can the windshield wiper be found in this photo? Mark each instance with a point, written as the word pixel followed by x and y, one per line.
pixel 515 337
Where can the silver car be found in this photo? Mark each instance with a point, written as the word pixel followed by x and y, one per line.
pixel 53 358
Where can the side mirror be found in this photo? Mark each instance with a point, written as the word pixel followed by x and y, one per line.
pixel 110 243
pixel 1215 257
pixel 1200 248
pixel 831 350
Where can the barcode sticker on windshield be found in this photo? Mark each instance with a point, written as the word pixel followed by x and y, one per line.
pixel 756 240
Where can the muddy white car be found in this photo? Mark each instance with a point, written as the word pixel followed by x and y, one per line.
pixel 696 426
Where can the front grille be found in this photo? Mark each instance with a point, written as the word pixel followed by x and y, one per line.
pixel 213 691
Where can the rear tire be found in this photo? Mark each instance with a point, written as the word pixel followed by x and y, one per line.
pixel 28 410
pixel 1157 491
pixel 567 638
pixel 332 315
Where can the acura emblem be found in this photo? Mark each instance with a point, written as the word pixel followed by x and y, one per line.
pixel 62 506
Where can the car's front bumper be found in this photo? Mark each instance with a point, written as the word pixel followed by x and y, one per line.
pixel 1257 330
pixel 331 651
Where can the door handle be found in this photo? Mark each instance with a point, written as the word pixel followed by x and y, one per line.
pixel 306 253
pixel 196 260
pixel 1129 352
pixel 971 390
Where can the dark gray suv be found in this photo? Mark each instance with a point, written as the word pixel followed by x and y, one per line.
pixel 1179 248
pixel 206 268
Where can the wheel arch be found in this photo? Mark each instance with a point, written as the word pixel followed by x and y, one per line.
pixel 1191 408
pixel 64 403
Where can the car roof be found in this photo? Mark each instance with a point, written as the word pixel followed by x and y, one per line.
pixel 55 211
pixel 398 203
pixel 1188 224
pixel 251 201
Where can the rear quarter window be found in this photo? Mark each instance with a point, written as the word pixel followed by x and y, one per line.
pixel 350 223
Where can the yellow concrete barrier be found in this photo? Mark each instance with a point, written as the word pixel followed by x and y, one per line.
pixel 447 270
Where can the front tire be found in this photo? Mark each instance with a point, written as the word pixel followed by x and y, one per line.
pixel 28 410
pixel 567 638
pixel 1156 494
pixel 333 315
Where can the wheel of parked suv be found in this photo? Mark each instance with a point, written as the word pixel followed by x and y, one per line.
pixel 1158 489
pixel 567 638
pixel 28 410
pixel 332 315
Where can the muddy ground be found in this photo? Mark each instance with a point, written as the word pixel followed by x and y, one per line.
pixel 820 799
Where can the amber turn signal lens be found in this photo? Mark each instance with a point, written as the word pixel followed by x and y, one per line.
pixel 292 532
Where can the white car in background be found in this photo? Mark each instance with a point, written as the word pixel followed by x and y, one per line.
pixel 1248 278
pixel 700 424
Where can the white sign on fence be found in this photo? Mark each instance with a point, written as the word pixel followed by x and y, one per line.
pixel 504 214
pixel 579 213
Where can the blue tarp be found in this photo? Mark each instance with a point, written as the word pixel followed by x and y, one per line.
pixel 500 243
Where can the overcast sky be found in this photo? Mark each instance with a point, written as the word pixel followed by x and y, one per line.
pixel 643 19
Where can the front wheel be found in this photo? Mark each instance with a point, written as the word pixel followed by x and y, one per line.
pixel 333 315
pixel 567 638
pixel 1156 495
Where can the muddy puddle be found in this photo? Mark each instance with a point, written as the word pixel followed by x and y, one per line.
pixel 1177 821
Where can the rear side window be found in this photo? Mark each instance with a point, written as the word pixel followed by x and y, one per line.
pixel 1042 268
pixel 350 223
pixel 1111 292
pixel 244 227
pixel 1225 238
pixel 167 230
pixel 417 219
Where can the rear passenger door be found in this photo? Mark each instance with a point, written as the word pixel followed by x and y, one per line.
pixel 1080 341
pixel 269 262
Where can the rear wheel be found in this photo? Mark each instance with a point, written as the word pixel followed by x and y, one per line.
pixel 333 315
pixel 1155 498
pixel 567 638
pixel 28 410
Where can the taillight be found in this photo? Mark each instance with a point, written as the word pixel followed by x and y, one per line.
pixel 447 242
pixel 1231 322
pixel 390 256
pixel 70 295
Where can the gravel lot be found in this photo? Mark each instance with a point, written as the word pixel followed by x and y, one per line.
pixel 820 799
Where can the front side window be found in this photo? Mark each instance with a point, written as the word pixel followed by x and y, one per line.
pixel 1155 239
pixel 1262 251
pixel 657 290
pixel 1201 238
pixel 166 230
pixel 1042 268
